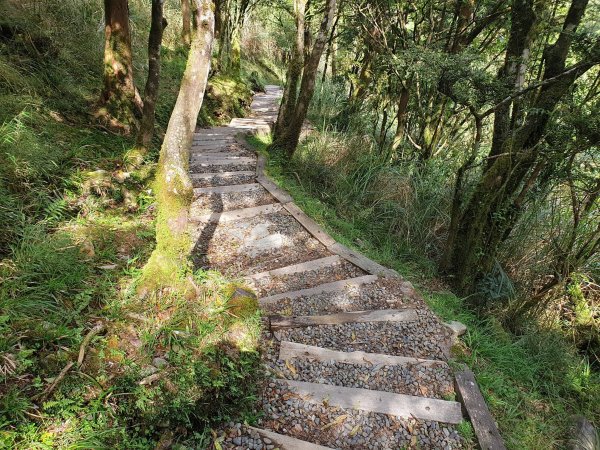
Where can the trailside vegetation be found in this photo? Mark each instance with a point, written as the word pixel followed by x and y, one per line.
pixel 100 346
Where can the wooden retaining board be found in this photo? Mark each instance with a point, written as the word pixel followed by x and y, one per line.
pixel 227 189
pixel 379 315
pixel 484 425
pixel 286 442
pixel 362 261
pixel 378 401
pixel 311 226
pixel 291 350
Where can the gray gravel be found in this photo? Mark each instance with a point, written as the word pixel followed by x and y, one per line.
pixel 198 167
pixel 239 437
pixel 287 413
pixel 256 244
pixel 302 280
pixel 224 180
pixel 415 379
pixel 424 338
pixel 382 294
pixel 208 203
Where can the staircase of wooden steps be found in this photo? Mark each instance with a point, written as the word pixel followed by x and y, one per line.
pixel 356 358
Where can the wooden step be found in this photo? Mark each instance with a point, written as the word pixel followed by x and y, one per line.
pixel 236 214
pixel 291 350
pixel 286 442
pixel 315 264
pixel 381 315
pixel 334 286
pixel 378 401
pixel 207 175
pixel 227 189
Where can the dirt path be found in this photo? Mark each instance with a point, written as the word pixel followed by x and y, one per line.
pixel 357 360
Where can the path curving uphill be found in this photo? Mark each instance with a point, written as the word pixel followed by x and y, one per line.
pixel 357 359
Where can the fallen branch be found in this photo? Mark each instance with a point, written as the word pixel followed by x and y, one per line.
pixel 86 340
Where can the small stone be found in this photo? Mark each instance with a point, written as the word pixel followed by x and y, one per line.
pixel 159 363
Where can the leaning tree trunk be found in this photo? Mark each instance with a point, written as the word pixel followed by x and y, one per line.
pixel 173 185
pixel 118 96
pixel 288 141
pixel 146 130
pixel 186 17
pixel 288 101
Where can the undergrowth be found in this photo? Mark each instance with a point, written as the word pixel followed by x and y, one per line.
pixel 84 362
pixel 533 382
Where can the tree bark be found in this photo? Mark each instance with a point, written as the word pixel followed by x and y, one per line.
pixel 119 95
pixel 186 18
pixel 294 72
pixel 288 141
pixel 173 185
pixel 491 209
pixel 146 130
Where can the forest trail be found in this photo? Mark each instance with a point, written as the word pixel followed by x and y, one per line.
pixel 356 358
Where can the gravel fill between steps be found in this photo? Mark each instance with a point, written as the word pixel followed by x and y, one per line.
pixel 224 180
pixel 205 167
pixel 287 413
pixel 426 337
pixel 414 379
pixel 382 294
pixel 235 247
pixel 302 280
pixel 209 203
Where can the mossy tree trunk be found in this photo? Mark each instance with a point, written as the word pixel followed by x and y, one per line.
pixel 288 140
pixel 146 130
pixel 231 15
pixel 119 93
pixel 186 21
pixel 169 261
pixel 294 72
pixel 493 208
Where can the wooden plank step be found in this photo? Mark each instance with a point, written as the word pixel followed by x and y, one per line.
pixel 207 175
pixel 227 189
pixel 379 315
pixel 334 286
pixel 362 261
pixel 291 350
pixel 236 214
pixel 314 264
pixel 286 442
pixel 378 401
pixel 312 227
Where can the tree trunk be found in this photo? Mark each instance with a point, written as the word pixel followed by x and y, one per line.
pixel 119 95
pixel 522 18
pixel 491 210
pixel 173 185
pixel 288 141
pixel 294 72
pixel 186 17
pixel 146 130
pixel 401 119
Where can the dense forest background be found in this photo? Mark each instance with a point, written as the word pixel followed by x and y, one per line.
pixel 454 141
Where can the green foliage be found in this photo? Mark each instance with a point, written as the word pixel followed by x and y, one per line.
pixel 76 231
